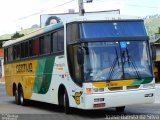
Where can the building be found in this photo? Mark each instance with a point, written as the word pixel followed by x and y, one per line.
pixel 2 60
pixel 155 41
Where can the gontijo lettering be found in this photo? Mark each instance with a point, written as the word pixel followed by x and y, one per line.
pixel 24 67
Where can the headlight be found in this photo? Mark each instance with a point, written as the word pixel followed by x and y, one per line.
pixel 88 90
pixel 98 89
pixel 94 90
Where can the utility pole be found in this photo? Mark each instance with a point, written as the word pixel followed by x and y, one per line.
pixel 81 7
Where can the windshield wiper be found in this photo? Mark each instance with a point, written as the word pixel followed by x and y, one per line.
pixel 113 65
pixel 134 66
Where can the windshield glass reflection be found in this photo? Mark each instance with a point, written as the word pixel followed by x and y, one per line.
pixel 116 60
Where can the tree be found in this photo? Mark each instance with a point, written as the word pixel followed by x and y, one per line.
pixel 16 35
pixel 35 26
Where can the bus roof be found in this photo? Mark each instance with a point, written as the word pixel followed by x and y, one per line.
pixel 33 34
pixel 101 17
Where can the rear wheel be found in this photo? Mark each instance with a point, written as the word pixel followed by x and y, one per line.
pixel 22 101
pixel 120 109
pixel 16 96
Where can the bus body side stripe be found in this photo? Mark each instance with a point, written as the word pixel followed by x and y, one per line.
pixel 43 75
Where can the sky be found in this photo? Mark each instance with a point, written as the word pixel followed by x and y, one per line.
pixel 18 14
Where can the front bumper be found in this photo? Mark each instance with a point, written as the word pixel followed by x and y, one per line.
pixel 119 98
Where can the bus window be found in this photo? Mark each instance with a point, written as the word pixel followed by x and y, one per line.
pixel 60 40
pixel 10 53
pixel 14 52
pixel 6 54
pixel 31 52
pixel 22 50
pixel 69 32
pixel 41 42
pixel 26 51
pixel 17 50
pixel 45 44
pixel 54 40
pixel 72 32
pixel 36 47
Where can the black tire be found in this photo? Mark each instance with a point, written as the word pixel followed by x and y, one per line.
pixel 120 109
pixel 66 103
pixel 16 96
pixel 22 101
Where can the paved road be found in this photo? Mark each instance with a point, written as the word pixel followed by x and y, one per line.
pixel 43 111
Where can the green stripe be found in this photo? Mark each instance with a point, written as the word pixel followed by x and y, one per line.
pixel 43 75
pixel 147 80
pixel 142 81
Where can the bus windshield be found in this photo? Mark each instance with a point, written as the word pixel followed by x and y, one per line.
pixel 112 29
pixel 105 61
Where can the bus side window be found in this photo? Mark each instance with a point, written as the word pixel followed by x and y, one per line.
pixel 41 42
pixel 10 53
pixel 61 40
pixel 36 47
pixel 47 44
pixel 72 33
pixel 22 50
pixel 26 50
pixel 16 54
pixel 6 54
pixel 31 52
pixel 58 41
pixel 54 42
pixel 18 49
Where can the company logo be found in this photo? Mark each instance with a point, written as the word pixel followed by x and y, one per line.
pixel 77 96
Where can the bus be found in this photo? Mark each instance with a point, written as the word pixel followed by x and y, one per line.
pixel 87 62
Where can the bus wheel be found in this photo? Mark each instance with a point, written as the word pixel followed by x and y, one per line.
pixel 66 103
pixel 21 96
pixel 16 96
pixel 120 109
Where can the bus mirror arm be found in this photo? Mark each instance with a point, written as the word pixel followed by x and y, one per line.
pixel 80 56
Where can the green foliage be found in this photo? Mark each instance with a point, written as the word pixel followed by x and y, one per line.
pixel 35 26
pixel 152 25
pixel 16 35
pixel 24 31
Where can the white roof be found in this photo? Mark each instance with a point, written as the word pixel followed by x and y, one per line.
pixel 102 17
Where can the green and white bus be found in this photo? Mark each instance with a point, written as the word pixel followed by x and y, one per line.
pixel 87 62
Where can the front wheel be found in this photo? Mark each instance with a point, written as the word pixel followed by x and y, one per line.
pixel 66 103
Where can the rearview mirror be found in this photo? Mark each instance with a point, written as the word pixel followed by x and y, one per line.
pixel 80 56
pixel 153 51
